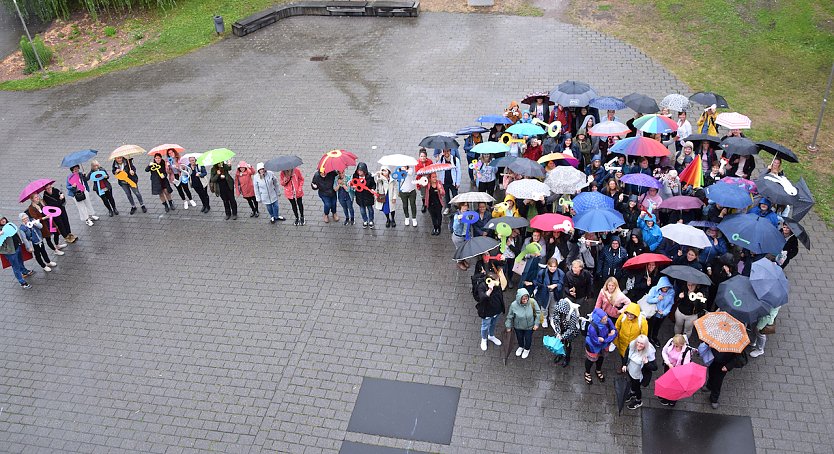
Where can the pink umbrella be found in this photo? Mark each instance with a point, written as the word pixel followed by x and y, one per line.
pixel 34 188
pixel 743 183
pixel 681 202
pixel 551 222
pixel 680 382
pixel 733 120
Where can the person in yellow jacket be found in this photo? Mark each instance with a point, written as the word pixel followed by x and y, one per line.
pixel 630 324
pixel 706 123
pixel 505 208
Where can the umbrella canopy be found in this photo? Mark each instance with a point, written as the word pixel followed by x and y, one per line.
pixel 126 151
pixel 640 146
pixel 752 232
pixel 531 98
pixel 622 388
pixel 570 160
pixel 607 103
pixel 490 148
pixel 708 98
pixel 609 128
pixel 77 158
pixel 676 102
pixel 440 142
pixel 641 179
pixel 687 274
pixel 513 221
pixel 469 130
pixel 780 151
pixel 554 345
pixel 497 119
pixel 503 162
pixel 681 202
pixel 566 180
pixel 722 332
pixel 336 160
pixel 527 167
pixel 212 157
pixel 586 201
pixel 769 282
pixel 645 258
pixel 741 146
pixel 185 159
pixel 733 120
pixel 163 149
pixel 655 124
pixel 472 197
pixel 703 224
pixel 551 222
pixel 34 188
pixel 525 129
pixel 598 220
pixel 398 160
pixel 280 163
pixel 571 93
pixel 695 138
pixel 686 235
pixel 799 231
pixel 743 183
pixel 728 195
pixel 693 174
pixel 641 103
pixel 528 189
pixel 680 382
pixel 475 247
pixel 777 188
pixel 804 200
pixel 737 297
pixel 437 167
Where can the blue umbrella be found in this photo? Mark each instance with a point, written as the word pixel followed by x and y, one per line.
pixel 78 158
pixel 590 200
pixel 769 282
pixel 525 129
pixel 497 119
pixel 469 130
pixel 737 297
pixel 607 103
pixel 728 195
pixel 598 220
pixel 752 232
pixel 490 148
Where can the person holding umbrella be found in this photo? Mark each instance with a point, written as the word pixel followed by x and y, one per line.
pixel 122 164
pixel 222 184
pixel 53 197
pixel 718 247
pixel 639 362
pixel 386 196
pixel 791 247
pixel 10 249
pixel 175 177
pixel 450 179
pixel 78 189
pixel 676 352
pixel 601 332
pixel 459 231
pixel 266 189
pixel 763 209
pixel 706 122
pixel 652 235
pixel 761 331
pixel 196 174
pixel 160 186
pixel 325 182
pixel 293 182
pixel 490 306
pixel 485 174
pixel 345 194
pixel 365 196
pixel 565 322
pixel 523 317
pixel 104 189
pixel 422 161
pixel 434 201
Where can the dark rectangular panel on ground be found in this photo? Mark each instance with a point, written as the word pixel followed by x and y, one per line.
pixel 410 411
pixel 351 447
pixel 668 431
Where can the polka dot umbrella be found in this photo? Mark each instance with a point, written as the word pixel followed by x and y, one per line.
pixel 722 332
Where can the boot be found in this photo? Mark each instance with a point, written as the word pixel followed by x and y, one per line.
pixel 110 212
pixel 144 210
pixel 165 204
pixel 115 211
pixel 171 204
pixel 393 221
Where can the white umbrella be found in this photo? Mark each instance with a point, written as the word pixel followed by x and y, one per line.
pixel 609 128
pixel 565 180
pixel 472 197
pixel 676 102
pixel 733 120
pixel 528 189
pixel 397 160
pixel 686 235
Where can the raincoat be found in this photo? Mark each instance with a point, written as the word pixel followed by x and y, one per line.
pixel 628 330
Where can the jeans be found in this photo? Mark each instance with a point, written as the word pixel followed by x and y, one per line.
pixel 367 213
pixel 329 202
pixel 130 192
pixel 346 203
pixel 18 268
pixel 524 338
pixel 409 203
pixel 488 326
pixel 272 209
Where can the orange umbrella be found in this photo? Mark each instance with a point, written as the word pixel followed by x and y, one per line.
pixel 163 149
pixel 722 332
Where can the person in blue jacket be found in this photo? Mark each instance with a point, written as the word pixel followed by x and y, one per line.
pixel 652 235
pixel 601 333
pixel 548 285
pixel 663 296
pixel 763 209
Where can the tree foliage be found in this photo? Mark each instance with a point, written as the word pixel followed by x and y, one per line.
pixel 46 10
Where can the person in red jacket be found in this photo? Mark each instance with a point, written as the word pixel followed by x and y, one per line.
pixel 293 182
pixel 422 161
pixel 245 188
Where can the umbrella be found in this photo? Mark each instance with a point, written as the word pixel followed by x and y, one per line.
pixel 397 160
pixel 589 200
pixel 527 167
pixel 686 235
pixel 743 183
pixel 513 221
pixel 769 282
pixel 566 180
pixel 741 146
pixel 336 160
pixel 804 200
pixel 559 157
pixel 598 220
pixel 472 197
pixel 733 120
pixel 640 146
pixel 645 258
pixel 641 179
pixel 497 119
pixel 77 158
pixel 680 382
pixel 507 345
pixel 163 149
pixel 693 174
pixel 799 231
pixel 722 332
pixel 655 124
pixel 445 134
pixel 126 151
pixel 571 93
pixel 703 224
pixel 694 138
pixel 609 128
pixel 687 274
pixel 708 98
pixel 440 142
pixel 551 222
pixel 212 157
pixel 780 151
pixel 185 159
pixel 752 232
pixel 681 202
pixel 737 297
pixel 34 188
pixel 676 102
pixel 475 247
pixel 436 167
pixel 607 103
pixel 469 130
pixel 532 97
pixel 528 189
pixel 490 148
pixel 281 163
pixel 641 103
pixel 525 129
pixel 503 162
pixel 622 388
pixel 728 195
pixel 554 345
pixel 777 188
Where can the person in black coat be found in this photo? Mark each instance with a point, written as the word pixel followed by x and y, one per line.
pixel 722 363
pixel 490 306
pixel 791 248
pixel 644 280
pixel 54 198
pixel 197 172
pixel 365 198
pixel 579 283
pixel 610 261
pixel 158 170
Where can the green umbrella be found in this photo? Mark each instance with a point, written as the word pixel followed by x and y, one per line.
pixel 212 157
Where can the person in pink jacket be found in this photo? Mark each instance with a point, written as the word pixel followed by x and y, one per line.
pixel 244 187
pixel 293 182
pixel 676 352
pixel 611 299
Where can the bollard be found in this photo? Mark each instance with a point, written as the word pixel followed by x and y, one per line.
pixel 219 27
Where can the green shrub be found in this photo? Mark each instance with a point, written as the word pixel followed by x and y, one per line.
pixel 110 31
pixel 44 53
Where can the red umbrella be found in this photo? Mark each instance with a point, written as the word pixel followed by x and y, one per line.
pixel 34 188
pixel 26 255
pixel 680 382
pixel 439 167
pixel 681 202
pixel 552 222
pixel 336 160
pixel 641 260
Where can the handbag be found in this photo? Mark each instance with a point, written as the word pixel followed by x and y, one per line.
pixel 768 329
pixel 706 353
pixel 646 308
pixel 80 196
pixel 518 267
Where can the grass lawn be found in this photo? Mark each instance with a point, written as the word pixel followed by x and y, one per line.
pixel 769 58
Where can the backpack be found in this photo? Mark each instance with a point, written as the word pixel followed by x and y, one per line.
pixel 478 282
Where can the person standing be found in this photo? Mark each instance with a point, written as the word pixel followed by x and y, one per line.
pixel 690 303
pixel 490 306
pixel 639 363
pixel 345 195
pixel 630 325
pixel 676 352
pixel 578 283
pixel 30 230
pixel 523 317
pixel 434 201
pixel 160 186
pixel 601 332
pixel 408 194
pixel 722 363
pixel 79 191
pixel 663 296
pixel 53 197
pixel 386 196
pixel 485 174
pixel 761 331
pixel 266 189
pixel 35 213
pixel 450 179
pixel 121 164
pixel 104 189
pixel 197 173
pixel 222 183
pixel 10 249
pixel 565 323
pixel 293 182
pixel 422 161
pixel 324 183
pixel 365 194
pixel 175 177
pixel 244 188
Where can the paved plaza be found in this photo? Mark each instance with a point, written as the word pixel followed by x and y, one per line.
pixel 177 333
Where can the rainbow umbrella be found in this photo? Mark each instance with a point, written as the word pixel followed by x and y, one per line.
pixel 693 174
pixel 655 124
pixel 640 146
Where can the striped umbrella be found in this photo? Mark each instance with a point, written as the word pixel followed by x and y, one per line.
pixel 655 124
pixel 640 146
pixel 733 120
pixel 693 174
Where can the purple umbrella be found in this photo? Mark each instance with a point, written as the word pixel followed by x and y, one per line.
pixel 641 179
pixel 681 202
pixel 750 186
pixel 34 188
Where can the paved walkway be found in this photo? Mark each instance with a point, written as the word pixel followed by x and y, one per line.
pixel 186 333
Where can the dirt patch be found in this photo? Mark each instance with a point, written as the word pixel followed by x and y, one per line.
pixel 81 43
pixel 520 7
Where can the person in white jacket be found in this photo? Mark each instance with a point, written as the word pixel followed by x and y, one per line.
pixel 267 189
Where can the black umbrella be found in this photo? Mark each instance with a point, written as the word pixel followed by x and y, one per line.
pixel 737 297
pixel 708 98
pixel 527 167
pixel 503 162
pixel 687 274
pixel 571 93
pixel 804 200
pixel 774 191
pixel 439 142
pixel 782 152
pixel 621 390
pixel 799 231
pixel 507 345
pixel 741 146
pixel 514 222
pixel 283 163
pixel 641 103
pixel 701 137
pixel 475 247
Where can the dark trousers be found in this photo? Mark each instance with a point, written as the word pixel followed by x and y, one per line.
pixel 40 254
pixel 183 191
pixel 715 378
pixel 488 187
pixel 524 338
pixel 451 191
pixel 589 363
pixel 253 203
pixel 297 205
pixel 654 327
pixel 436 212
pixel 229 202
pixel 204 198
pixel 107 199
pixel 634 385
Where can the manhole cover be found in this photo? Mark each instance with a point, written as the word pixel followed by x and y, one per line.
pixel 318 58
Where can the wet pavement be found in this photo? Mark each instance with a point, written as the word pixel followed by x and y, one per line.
pixel 188 333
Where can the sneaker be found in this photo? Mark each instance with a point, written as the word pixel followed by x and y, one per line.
pixel 52 264
pixel 667 403
pixel 47 269
pixel 296 222
pixel 483 344
pixel 94 217
pixel 193 203
pixel 371 225
pixel 303 222
pixel 144 210
pixel 445 211
pixel 185 205
pixel 635 405
pixel 364 225
pixel 756 353
pixel 132 211
pixel 228 216
pixel 519 351
pixel 347 221
pixel 167 208
pixel 714 405
pixel 252 215
pixel 59 253
pixel 89 222
pixel 26 285
pixel 29 273
pixel 234 217
pixel 60 246
pixel 525 354
pixel 281 218
pixel 413 222
pixel 352 221
pixel 544 323
pixel 272 220
pixel 494 340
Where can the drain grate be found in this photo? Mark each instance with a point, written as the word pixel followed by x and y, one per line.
pixel 318 58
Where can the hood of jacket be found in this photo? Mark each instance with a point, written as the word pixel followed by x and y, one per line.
pixel 633 308
pixel 363 167
pixel 520 293
pixel 597 316
pixel 663 282
pixel 563 306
